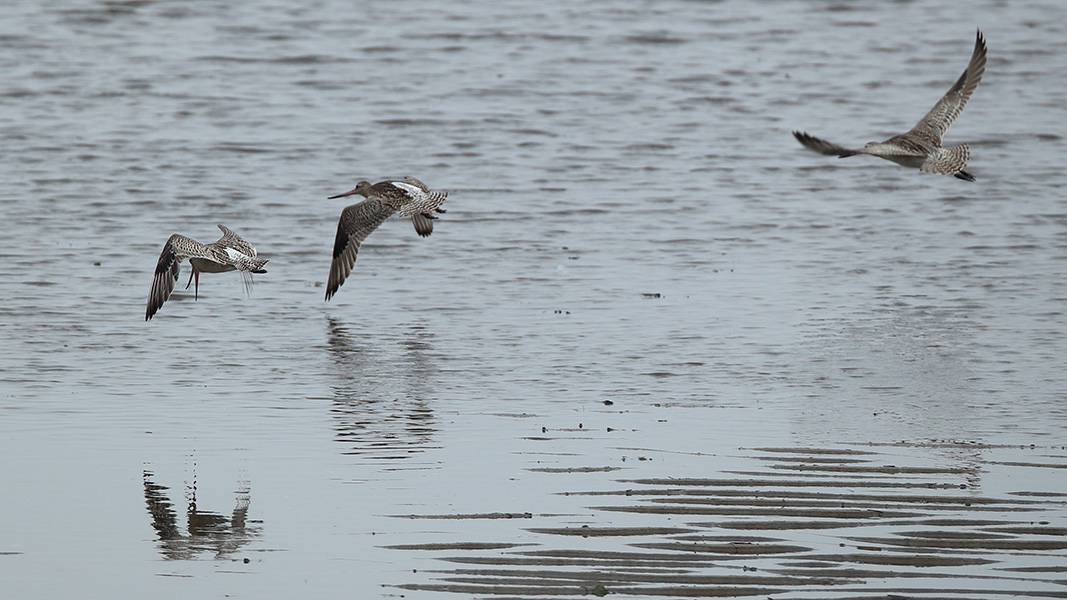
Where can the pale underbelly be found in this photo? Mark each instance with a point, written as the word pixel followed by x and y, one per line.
pixel 210 266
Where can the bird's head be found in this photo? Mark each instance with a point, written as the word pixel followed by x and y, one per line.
pixel 362 188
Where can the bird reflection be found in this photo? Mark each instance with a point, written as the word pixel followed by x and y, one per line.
pixel 381 394
pixel 206 532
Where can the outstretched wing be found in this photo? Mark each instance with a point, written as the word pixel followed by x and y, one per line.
pixel 932 127
pixel 356 223
pixel 822 146
pixel 177 248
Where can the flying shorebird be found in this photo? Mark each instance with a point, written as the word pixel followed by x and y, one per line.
pixel 408 196
pixel 230 253
pixel 921 147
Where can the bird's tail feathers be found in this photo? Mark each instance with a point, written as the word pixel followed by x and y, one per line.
pixel 949 161
pixel 254 265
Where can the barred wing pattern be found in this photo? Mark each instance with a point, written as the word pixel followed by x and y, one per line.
pixel 230 252
pixel 408 196
pixel 234 249
pixel 420 199
pixel 821 146
pixel 177 248
pixel 932 127
pixel 920 147
pixel 416 200
pixel 949 161
pixel 423 224
pixel 357 222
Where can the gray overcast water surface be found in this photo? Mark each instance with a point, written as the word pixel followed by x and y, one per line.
pixel 647 311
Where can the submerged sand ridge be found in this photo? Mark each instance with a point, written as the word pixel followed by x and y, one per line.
pixel 848 522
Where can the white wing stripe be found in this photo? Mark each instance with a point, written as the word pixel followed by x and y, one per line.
pixel 235 255
pixel 412 191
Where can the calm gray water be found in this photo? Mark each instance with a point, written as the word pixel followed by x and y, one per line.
pixel 641 280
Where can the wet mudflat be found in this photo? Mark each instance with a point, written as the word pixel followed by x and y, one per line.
pixel 859 522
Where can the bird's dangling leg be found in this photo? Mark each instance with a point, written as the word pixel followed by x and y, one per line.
pixel 194 276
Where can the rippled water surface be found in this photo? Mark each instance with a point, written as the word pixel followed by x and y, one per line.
pixel 654 348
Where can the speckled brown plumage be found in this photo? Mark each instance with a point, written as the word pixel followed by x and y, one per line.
pixel 230 252
pixel 407 197
pixel 920 147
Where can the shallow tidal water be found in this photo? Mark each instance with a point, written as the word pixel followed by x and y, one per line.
pixel 654 348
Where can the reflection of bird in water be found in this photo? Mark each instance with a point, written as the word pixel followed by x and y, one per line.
pixel 408 196
pixel 380 406
pixel 230 252
pixel 206 532
pixel 920 148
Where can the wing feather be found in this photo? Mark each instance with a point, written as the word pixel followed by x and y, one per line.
pixel 822 146
pixel 423 224
pixel 931 128
pixel 230 239
pixel 177 248
pixel 356 223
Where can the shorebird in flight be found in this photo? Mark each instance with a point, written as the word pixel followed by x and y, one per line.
pixel 408 196
pixel 230 253
pixel 921 146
